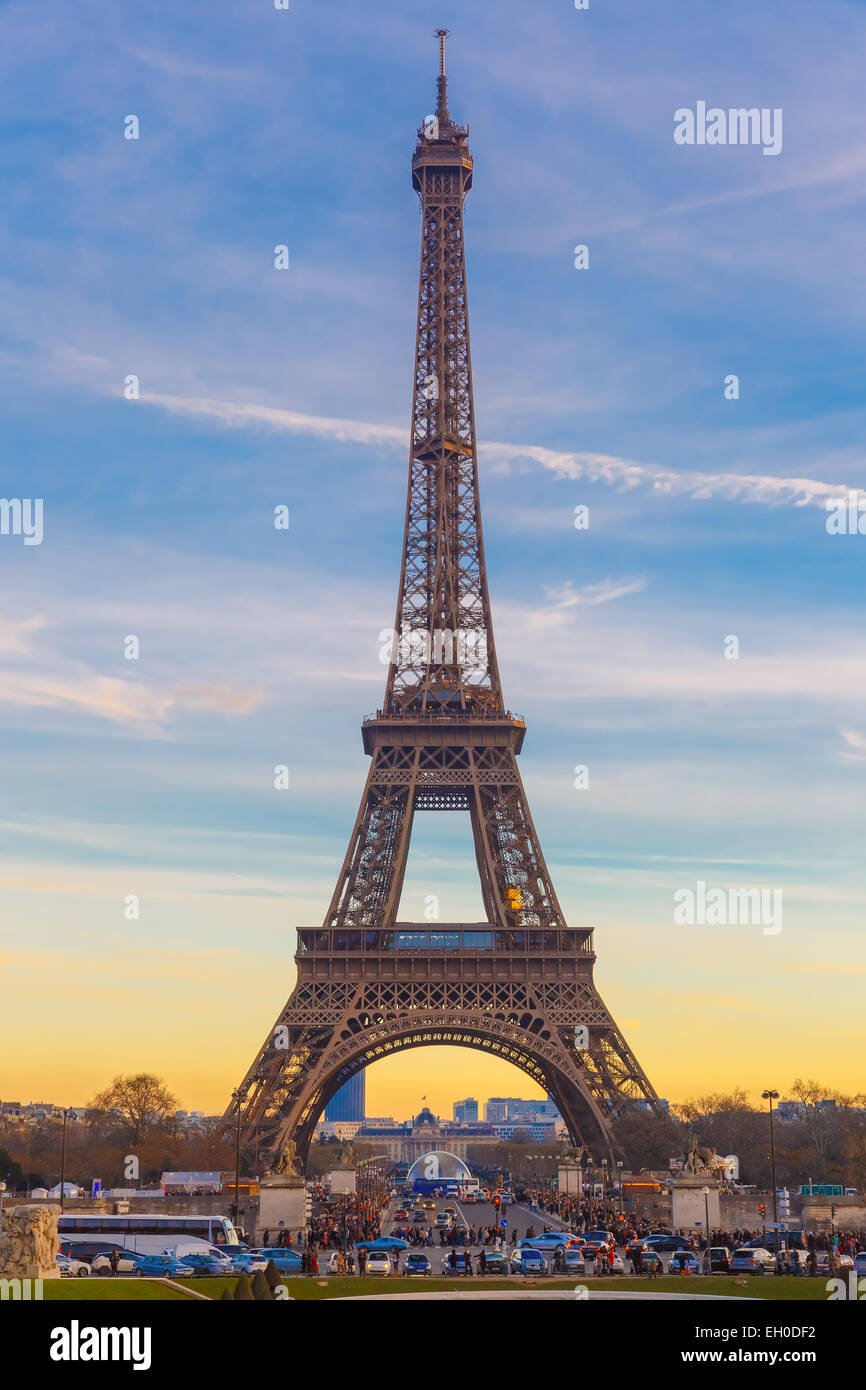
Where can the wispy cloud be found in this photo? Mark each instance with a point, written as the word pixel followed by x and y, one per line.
pixel 623 474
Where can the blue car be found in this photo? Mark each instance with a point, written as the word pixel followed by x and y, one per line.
pixel 684 1262
pixel 205 1264
pixel 527 1260
pixel 384 1243
pixel 162 1267
pixel 416 1263
pixel 550 1241
pixel 286 1260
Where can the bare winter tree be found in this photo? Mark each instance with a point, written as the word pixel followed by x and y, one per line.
pixel 135 1105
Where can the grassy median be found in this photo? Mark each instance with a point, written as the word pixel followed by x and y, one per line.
pixel 745 1286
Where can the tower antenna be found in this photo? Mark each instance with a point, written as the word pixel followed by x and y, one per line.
pixel 442 81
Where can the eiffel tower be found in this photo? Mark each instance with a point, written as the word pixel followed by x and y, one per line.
pixel 518 986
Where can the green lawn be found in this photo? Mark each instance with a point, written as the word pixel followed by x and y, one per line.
pixel 110 1291
pixel 764 1286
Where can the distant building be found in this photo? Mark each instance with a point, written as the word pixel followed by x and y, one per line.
pixel 403 1143
pixel 466 1111
pixel 529 1131
pixel 350 1101
pixel 337 1129
pixel 515 1110
pixel 495 1110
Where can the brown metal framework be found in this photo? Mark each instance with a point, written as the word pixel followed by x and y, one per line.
pixel 520 985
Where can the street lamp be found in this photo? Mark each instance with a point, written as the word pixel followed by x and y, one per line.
pixel 63 1159
pixel 619 1178
pixel 771 1096
pixel 236 1097
pixel 2 1190
pixel 706 1192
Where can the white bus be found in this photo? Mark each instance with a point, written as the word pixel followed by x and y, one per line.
pixel 143 1233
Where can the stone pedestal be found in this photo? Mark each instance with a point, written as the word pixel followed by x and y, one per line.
pixel 692 1207
pixel 570 1179
pixel 281 1206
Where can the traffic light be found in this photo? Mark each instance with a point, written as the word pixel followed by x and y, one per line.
pixel 762 1209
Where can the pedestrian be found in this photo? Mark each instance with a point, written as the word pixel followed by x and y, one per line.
pixel 468 1260
pixel 482 1262
pixel 600 1261
pixel 114 1260
pixel 266 1238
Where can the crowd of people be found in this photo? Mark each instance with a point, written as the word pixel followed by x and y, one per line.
pixel 340 1226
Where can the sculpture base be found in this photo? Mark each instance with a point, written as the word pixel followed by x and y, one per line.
pixel 282 1206
pixel 693 1208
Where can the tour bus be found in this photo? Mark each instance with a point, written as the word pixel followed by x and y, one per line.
pixel 146 1234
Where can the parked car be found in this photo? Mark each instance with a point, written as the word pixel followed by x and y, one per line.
pixel 417 1264
pixel 550 1241
pixel 247 1262
pixel 720 1259
pixel 860 1262
pixel 525 1259
pixel 286 1260
pixel 126 1261
pixel 72 1268
pixel 162 1267
pixel 663 1240
pixel 636 1243
pixel 384 1243
pixel 843 1262
pixel 459 1267
pixel 495 1263
pixel 208 1264
pixel 378 1262
pixel 599 1238
pixel 749 1259
pixel 684 1262
pixel 574 1260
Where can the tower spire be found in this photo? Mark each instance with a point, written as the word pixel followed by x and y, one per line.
pixel 442 81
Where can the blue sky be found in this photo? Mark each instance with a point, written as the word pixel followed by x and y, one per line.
pixel 602 387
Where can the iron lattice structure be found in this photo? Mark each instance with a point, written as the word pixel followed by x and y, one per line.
pixel 520 985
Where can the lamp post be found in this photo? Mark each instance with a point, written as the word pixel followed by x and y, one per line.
pixel 603 1185
pixel 619 1179
pixel 2 1190
pixel 236 1097
pixel 771 1096
pixel 63 1158
pixel 706 1191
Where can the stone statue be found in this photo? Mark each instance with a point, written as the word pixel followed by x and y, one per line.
pixel 29 1243
pixel 347 1157
pixel 285 1161
pixel 697 1159
pixel 570 1155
